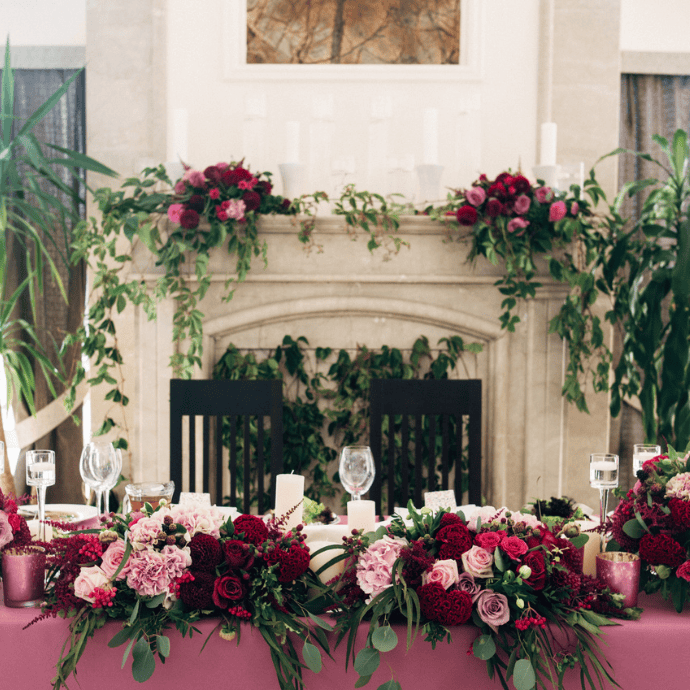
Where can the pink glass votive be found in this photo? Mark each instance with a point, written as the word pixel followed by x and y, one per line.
pixel 621 572
pixel 23 577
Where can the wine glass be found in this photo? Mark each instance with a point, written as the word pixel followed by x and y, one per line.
pixel 603 475
pixel 2 457
pixel 40 472
pixel 99 468
pixel 643 452
pixel 356 470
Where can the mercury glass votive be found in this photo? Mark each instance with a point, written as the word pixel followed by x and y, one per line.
pixel 621 572
pixel 23 576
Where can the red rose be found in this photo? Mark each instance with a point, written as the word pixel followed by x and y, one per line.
pixel 236 553
pixel 212 174
pixel 189 219
pixel 660 549
pixel 521 184
pixel 497 190
pixel 226 590
pixel 252 200
pixel 513 547
pixel 206 551
pixel 535 561
pixel 488 540
pixel 455 540
pixel 494 208
pixel 680 514
pixel 467 215
pixel 254 528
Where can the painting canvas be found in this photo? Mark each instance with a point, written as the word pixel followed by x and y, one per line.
pixel 393 32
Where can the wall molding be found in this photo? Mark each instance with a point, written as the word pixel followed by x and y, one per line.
pixel 634 62
pixel 48 57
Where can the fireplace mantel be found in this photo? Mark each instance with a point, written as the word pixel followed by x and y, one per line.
pixel 534 444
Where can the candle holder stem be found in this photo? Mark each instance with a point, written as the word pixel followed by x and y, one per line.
pixel 603 510
pixel 41 496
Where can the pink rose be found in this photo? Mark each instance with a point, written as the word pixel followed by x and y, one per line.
pixel 175 211
pixel 475 196
pixel 148 574
pixel 477 562
pixel 375 565
pixel 467 584
pixel 517 224
pixel 112 557
pixel 513 547
pixel 543 194
pixel 488 540
pixel 492 608
pixel 195 177
pixel 684 571
pixel 6 534
pixel 88 580
pixel 444 573
pixel 557 211
pixel 522 204
pixel 574 208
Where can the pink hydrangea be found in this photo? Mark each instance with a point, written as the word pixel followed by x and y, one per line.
pixel 375 565
pixel 194 177
pixel 679 486
pixel 485 514
pixel 475 196
pixel 112 557
pixel 174 212
pixel 444 573
pixel 145 531
pixel 180 187
pixel 148 573
pixel 6 534
pixel 527 519
pixel 197 518
pixel 88 580
pixel 557 211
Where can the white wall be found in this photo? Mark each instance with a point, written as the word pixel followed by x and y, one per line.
pixel 655 26
pixel 43 22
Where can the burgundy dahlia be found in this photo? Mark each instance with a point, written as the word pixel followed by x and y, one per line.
pixel 252 200
pixel 196 203
pixel 206 551
pixel 467 215
pixel 212 174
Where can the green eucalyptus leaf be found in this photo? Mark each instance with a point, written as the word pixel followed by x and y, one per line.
pixel 634 529
pixel 484 647
pixel 367 661
pixel 312 657
pixel 524 677
pixel 384 638
pixel 390 685
pixel 143 661
pixel 163 645
pixel 362 681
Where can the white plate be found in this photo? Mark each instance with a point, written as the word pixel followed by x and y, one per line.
pixel 61 512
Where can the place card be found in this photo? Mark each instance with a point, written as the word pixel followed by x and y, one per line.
pixel 437 500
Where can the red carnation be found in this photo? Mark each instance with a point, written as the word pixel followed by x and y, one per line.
pixel 494 208
pixel 227 590
pixel 680 514
pixel 252 200
pixel 198 593
pixel 189 219
pixel 535 561
pixel 236 553
pixel 212 174
pixel 196 202
pixel 455 540
pixel 206 551
pixel 254 528
pixel 293 563
pixel 467 215
pixel 660 549
pixel 488 540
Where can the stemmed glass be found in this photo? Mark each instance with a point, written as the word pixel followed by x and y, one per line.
pixel 40 472
pixel 643 452
pixel 603 475
pixel 2 457
pixel 356 470
pixel 99 468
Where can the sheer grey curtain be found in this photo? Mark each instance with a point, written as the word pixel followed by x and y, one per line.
pixel 650 104
pixel 63 126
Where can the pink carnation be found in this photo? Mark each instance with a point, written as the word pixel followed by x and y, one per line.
pixel 145 532
pixel 375 565
pixel 679 486
pixel 112 557
pixel 174 212
pixel 221 215
pixel 197 518
pixel 6 534
pixel 476 196
pixel 522 204
pixel 557 211
pixel 176 560
pixel 214 193
pixel 247 184
pixel 148 573
pixel 236 209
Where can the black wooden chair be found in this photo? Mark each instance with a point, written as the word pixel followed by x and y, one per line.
pixel 458 404
pixel 234 401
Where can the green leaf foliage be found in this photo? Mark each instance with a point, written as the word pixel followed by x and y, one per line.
pixel 312 657
pixel 367 661
pixel 524 677
pixel 484 647
pixel 384 638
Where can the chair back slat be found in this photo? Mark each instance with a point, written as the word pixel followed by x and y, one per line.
pixel 437 406
pixel 228 403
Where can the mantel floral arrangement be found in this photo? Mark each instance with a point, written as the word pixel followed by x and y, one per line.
pixel 505 573
pixel 166 568
pixel 653 520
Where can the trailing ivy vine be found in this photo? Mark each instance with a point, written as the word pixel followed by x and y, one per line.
pixel 325 410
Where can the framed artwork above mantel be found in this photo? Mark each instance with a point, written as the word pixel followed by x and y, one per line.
pixel 342 40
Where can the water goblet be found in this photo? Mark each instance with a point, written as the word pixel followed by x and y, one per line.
pixel 603 475
pixel 40 472
pixel 356 470
pixel 99 468
pixel 2 457
pixel 643 452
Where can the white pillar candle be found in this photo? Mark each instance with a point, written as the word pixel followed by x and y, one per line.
pixel 592 547
pixel 548 143
pixel 289 495
pixel 291 142
pixel 361 515
pixel 321 559
pixel 430 136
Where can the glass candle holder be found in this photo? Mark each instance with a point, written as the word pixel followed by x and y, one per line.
pixel 23 576
pixel 148 492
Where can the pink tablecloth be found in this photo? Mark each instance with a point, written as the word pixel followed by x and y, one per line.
pixel 650 653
